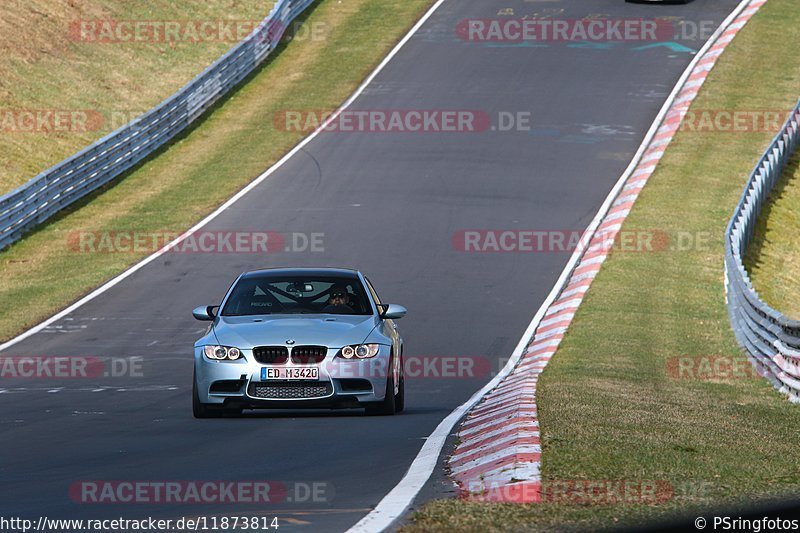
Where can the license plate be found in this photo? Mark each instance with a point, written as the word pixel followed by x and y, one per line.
pixel 310 373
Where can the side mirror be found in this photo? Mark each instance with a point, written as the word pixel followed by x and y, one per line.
pixel 394 311
pixel 205 312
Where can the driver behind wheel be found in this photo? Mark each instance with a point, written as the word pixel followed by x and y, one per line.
pixel 339 301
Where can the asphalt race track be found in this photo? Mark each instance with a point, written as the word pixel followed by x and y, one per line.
pixel 388 204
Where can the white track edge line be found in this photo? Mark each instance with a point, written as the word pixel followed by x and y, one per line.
pixel 395 503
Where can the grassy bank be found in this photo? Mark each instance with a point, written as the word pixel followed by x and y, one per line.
pixel 45 65
pixel 773 258
pixel 611 405
pixel 208 165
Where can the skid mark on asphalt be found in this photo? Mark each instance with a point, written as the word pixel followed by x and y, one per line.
pixel 64 329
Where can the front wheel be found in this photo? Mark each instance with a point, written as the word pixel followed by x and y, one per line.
pixel 203 410
pixel 400 399
pixel 388 406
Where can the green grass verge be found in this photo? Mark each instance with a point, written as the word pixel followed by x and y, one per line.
pixel 609 408
pixel 773 258
pixel 43 66
pixel 235 143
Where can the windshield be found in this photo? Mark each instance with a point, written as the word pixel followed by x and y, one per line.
pixel 270 295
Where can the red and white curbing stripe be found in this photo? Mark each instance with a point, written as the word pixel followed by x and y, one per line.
pixel 498 456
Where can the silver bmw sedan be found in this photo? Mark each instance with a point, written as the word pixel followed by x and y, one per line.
pixel 299 338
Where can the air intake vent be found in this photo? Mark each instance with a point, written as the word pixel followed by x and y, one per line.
pixel 308 355
pixel 289 390
pixel 271 355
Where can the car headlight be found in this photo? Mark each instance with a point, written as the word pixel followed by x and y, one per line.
pixel 359 351
pixel 222 353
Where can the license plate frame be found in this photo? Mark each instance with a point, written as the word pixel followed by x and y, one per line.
pixel 290 373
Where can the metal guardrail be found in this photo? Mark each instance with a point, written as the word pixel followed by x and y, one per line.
pixel 772 340
pixel 94 166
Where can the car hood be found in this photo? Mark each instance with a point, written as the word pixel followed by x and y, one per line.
pixel 334 331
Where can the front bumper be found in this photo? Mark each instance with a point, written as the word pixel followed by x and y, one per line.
pixel 342 383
